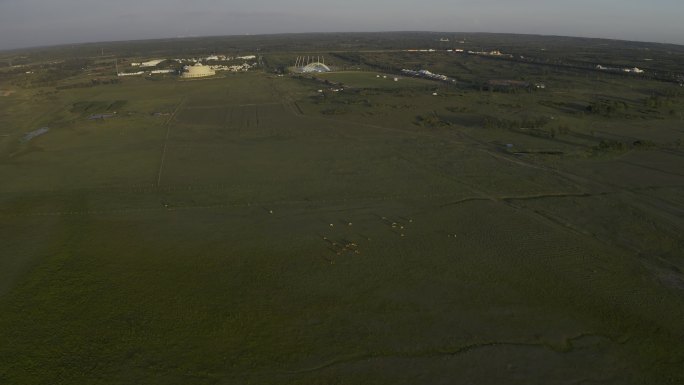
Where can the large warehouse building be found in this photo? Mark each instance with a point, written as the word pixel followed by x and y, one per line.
pixel 198 71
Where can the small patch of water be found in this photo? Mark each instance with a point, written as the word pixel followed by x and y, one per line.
pixel 34 134
pixel 100 116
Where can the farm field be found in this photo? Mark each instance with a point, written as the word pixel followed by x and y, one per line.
pixel 248 229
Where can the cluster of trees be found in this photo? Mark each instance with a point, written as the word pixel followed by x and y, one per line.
pixel 86 107
pixel 607 107
pixel 510 124
pixel 529 126
pixel 610 146
pixel 335 111
pixel 462 109
pixel 431 121
pixel 614 146
pixel 507 89
pixel 658 101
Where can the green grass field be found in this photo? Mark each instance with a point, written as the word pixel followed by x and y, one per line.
pixel 234 231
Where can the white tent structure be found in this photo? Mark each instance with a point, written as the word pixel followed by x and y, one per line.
pixel 309 64
pixel 198 71
pixel 316 67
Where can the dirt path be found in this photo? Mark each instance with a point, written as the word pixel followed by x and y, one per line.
pixel 166 140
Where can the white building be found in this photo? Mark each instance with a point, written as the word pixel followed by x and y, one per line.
pixel 151 63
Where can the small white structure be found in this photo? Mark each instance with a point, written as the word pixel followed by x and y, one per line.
pixel 130 73
pixel 234 68
pixel 634 70
pixel 198 71
pixel 151 63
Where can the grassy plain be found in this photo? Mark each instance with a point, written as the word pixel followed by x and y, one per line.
pixel 248 229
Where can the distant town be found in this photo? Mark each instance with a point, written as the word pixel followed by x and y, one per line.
pixel 190 67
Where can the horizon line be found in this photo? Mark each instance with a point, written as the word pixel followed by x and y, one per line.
pixel 84 43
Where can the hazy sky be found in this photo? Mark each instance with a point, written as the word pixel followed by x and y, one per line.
pixel 46 22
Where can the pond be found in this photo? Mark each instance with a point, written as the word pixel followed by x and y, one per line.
pixel 100 116
pixel 34 134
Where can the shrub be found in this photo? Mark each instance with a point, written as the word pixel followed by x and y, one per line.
pixel 334 111
pixel 607 107
pixel 608 146
pixel 430 121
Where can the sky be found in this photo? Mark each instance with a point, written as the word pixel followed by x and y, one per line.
pixel 25 23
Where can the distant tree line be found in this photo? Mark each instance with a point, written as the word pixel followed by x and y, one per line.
pixel 43 75
pixel 528 126
pixel 659 101
pixel 91 83
pixel 607 146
